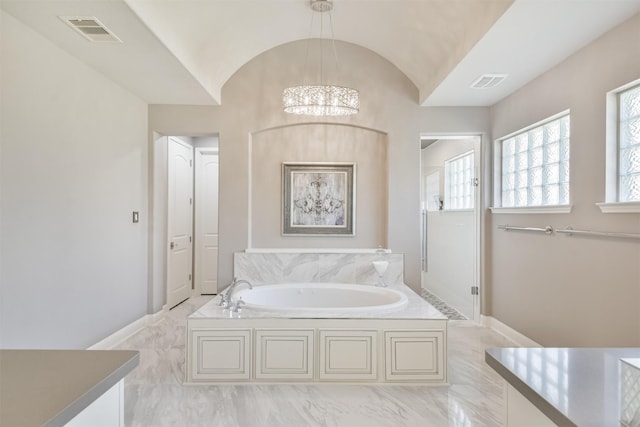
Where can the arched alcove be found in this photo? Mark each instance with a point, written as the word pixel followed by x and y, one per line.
pixel 318 143
pixel 256 136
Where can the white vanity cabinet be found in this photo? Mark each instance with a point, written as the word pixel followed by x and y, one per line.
pixel 521 412
pixel 106 411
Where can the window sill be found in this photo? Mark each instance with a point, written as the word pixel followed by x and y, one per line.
pixel 618 207
pixel 533 210
pixel 456 210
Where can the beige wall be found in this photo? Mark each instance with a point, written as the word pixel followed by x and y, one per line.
pixel 559 290
pixel 73 168
pixel 318 143
pixel 389 112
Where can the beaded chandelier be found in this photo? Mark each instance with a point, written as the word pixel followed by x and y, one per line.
pixel 321 99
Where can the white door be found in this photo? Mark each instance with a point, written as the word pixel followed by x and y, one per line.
pixel 180 221
pixel 206 266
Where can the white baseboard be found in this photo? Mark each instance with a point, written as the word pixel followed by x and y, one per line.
pixel 132 328
pixel 156 317
pixel 510 333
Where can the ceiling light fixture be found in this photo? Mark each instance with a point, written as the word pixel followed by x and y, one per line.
pixel 321 99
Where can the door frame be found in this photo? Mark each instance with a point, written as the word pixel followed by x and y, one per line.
pixel 157 205
pixel 197 249
pixel 168 244
pixel 480 155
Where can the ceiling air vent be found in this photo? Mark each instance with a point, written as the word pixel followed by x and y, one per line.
pixel 90 28
pixel 487 81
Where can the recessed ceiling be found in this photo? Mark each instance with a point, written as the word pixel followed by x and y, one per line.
pixel 184 51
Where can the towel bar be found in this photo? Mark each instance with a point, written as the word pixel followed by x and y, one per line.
pixel 547 230
pixel 569 231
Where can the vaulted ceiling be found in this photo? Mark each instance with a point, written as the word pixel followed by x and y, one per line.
pixel 183 51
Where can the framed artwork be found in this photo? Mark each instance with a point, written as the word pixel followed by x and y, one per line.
pixel 318 199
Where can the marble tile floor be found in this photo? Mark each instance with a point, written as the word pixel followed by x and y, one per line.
pixel 155 396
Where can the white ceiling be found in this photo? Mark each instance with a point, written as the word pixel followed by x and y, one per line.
pixel 183 51
pixel 529 39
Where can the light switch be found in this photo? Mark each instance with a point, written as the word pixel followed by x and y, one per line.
pixel 136 217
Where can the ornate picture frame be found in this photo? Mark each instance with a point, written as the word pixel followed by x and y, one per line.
pixel 318 199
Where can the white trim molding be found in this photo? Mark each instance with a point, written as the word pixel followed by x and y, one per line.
pixel 619 207
pixel 129 330
pixel 508 332
pixel 556 209
pixel 316 251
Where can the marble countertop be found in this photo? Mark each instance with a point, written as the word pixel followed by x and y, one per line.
pixel 50 387
pixel 416 308
pixel 571 386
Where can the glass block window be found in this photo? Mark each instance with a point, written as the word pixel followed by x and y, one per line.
pixel 535 165
pixel 629 148
pixel 458 182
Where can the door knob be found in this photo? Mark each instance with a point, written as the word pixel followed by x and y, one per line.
pixel 173 245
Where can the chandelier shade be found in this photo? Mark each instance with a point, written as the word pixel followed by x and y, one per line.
pixel 321 99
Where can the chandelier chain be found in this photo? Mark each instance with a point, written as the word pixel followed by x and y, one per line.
pixel 321 99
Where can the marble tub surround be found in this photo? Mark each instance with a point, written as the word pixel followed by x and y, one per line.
pixel 360 333
pixel 321 296
pixel 319 250
pixel 305 266
pixel 416 308
pixel 397 343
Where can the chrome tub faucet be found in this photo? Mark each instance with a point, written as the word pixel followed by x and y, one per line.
pixel 225 300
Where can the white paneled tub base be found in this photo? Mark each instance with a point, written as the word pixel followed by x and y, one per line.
pixel 316 350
